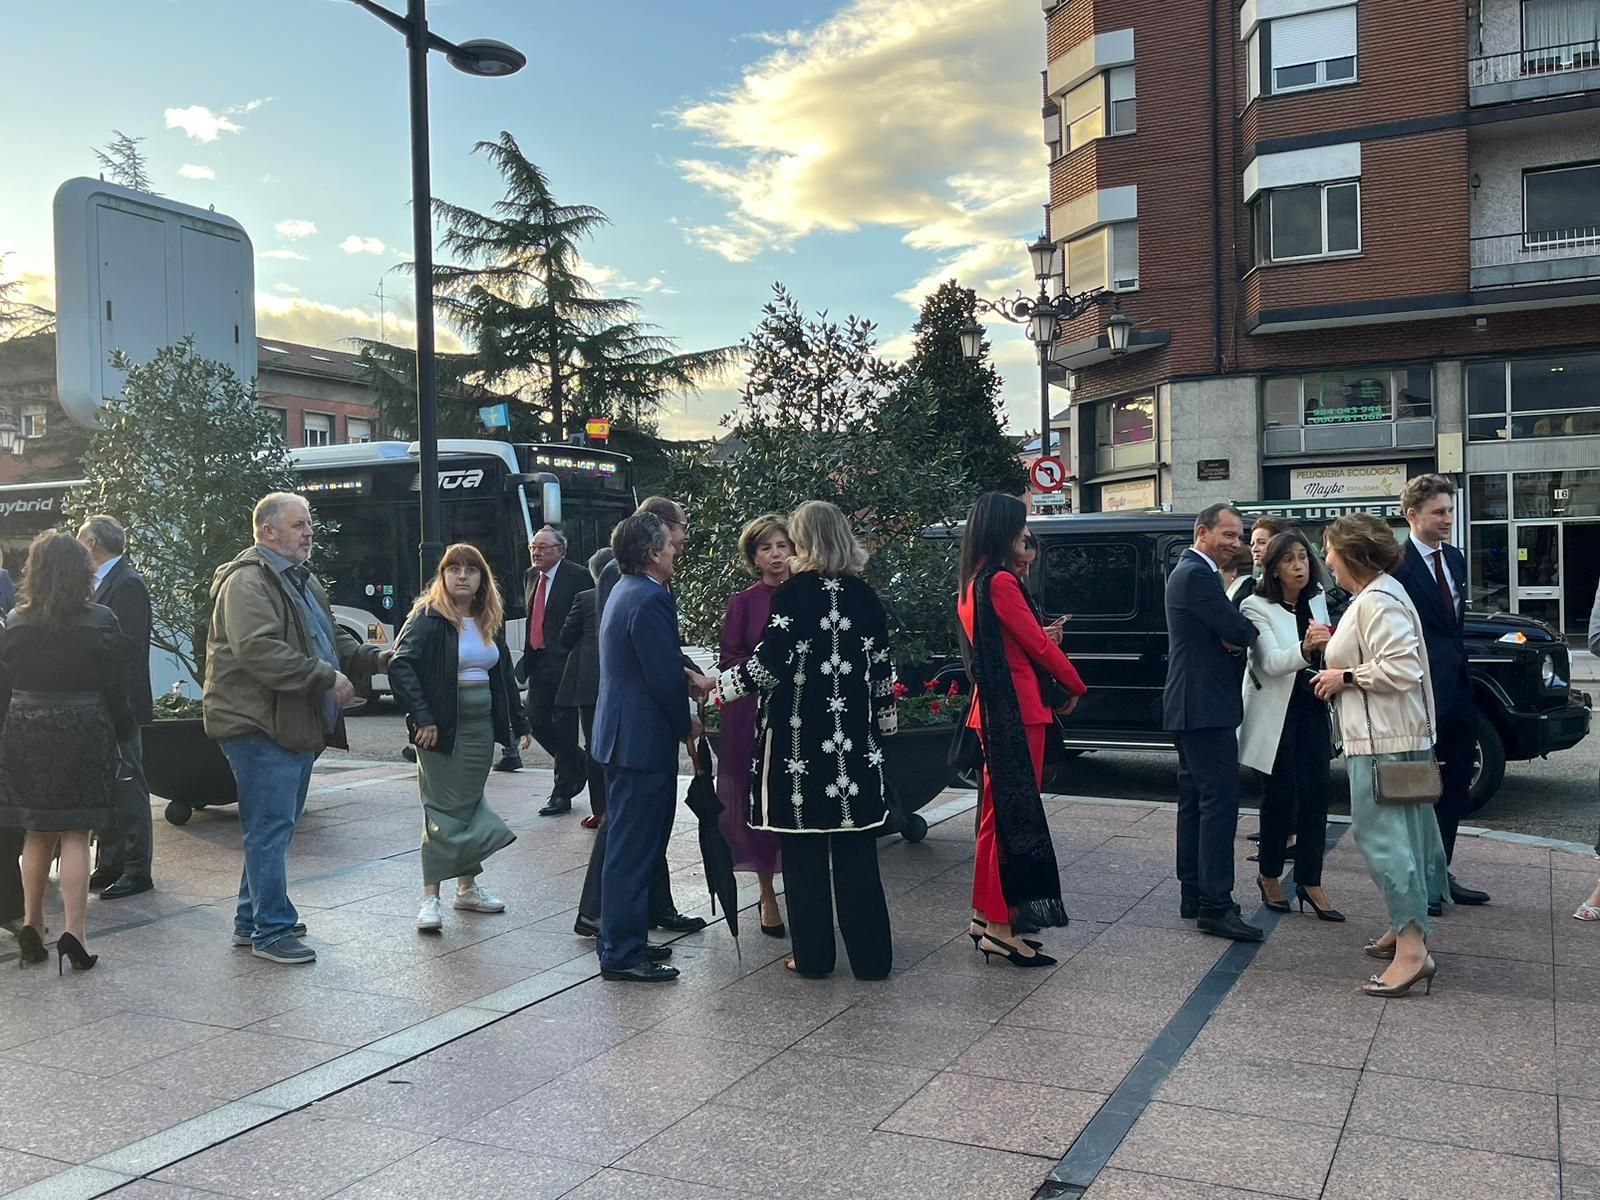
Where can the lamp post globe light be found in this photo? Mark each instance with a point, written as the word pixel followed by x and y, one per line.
pixel 485 58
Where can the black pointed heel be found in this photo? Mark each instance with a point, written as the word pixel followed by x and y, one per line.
pixel 989 946
pixel 69 947
pixel 978 937
pixel 31 947
pixel 1274 905
pixel 774 931
pixel 1323 914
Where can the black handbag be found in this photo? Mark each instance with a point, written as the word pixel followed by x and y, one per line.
pixel 965 752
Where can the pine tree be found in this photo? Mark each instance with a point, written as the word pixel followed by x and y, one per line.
pixel 125 163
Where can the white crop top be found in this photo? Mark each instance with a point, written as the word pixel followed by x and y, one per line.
pixel 476 655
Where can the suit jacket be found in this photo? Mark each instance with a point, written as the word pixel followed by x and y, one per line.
pixel 1275 660
pixel 1443 631
pixel 580 638
pixel 123 591
pixel 570 579
pixel 642 710
pixel 1203 676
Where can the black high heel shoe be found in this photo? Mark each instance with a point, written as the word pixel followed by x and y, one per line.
pixel 67 947
pixel 774 931
pixel 1274 905
pixel 978 937
pixel 1323 914
pixel 31 946
pixel 1012 955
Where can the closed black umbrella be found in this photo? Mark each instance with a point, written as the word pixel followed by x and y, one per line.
pixel 714 851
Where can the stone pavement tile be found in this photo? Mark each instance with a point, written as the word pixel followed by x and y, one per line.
pixel 802 1086
pixel 149 1189
pixel 959 957
pixel 1107 872
pixel 1497 978
pixel 760 1018
pixel 907 1036
pixel 1453 1114
pixel 28 1020
pixel 233 1065
pixel 612 1184
pixel 113 1044
pixel 58 1113
pixel 1069 1060
pixel 1577 1007
pixel 1234 1151
pixel 1091 906
pixel 1580 1131
pixel 1073 1007
pixel 254 991
pixel 531 1043
pixel 1577 946
pixel 467 1169
pixel 1520 1057
pixel 636 1005
pixel 1262 1086
pixel 1112 1184
pixel 688 1067
pixel 301 1157
pixel 739 1149
pixel 1579 1182
pixel 1029 1118
pixel 423 981
pixel 579 1121
pixel 526 948
pixel 1388 1168
pixel 346 1018
pixel 979 997
pixel 18 1169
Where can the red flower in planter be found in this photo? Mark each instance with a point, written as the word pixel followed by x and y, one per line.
pixel 901 689
pixel 954 690
pixel 930 685
pixel 935 708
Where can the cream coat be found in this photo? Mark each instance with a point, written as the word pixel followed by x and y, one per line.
pixel 1380 640
pixel 1275 660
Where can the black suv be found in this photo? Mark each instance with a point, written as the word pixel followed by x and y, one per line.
pixel 1110 570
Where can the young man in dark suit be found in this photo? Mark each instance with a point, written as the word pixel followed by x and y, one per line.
pixel 1203 706
pixel 1434 574
pixel 125 852
pixel 641 717
pixel 549 587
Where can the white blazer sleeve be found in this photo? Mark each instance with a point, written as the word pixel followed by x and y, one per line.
pixel 1270 654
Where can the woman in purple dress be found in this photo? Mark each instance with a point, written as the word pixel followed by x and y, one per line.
pixel 766 548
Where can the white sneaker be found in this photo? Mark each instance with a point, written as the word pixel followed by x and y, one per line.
pixel 428 918
pixel 476 899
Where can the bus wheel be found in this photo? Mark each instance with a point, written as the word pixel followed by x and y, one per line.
pixel 178 814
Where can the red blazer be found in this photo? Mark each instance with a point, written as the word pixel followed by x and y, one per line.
pixel 1026 647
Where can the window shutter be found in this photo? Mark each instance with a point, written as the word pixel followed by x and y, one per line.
pixel 1086 263
pixel 1253 55
pixel 1083 99
pixel 1121 84
pixel 1125 256
pixel 1314 37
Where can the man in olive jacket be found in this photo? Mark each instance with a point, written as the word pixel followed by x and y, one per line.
pixel 276 680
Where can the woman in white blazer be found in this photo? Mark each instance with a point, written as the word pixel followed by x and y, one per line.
pixel 1285 730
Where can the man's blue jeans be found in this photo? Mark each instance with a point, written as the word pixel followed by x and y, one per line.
pixel 272 786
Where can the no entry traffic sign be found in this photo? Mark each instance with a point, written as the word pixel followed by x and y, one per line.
pixel 1048 474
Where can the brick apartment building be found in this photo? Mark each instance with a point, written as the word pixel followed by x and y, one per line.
pixel 1357 241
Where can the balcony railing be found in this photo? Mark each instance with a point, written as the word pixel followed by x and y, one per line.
pixel 1536 256
pixel 1530 73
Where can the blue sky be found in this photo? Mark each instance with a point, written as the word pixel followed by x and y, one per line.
pixel 857 150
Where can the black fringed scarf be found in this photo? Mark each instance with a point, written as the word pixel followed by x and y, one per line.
pixel 1029 876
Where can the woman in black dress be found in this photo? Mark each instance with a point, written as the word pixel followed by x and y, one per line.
pixel 64 667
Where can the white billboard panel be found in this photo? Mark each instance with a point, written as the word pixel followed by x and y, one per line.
pixel 136 272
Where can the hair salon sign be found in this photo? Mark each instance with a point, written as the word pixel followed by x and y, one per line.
pixel 1347 483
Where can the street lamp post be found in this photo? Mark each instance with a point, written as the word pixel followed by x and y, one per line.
pixel 483 57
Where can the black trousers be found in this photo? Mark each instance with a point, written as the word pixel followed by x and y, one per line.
pixel 1296 793
pixel 863 911
pixel 556 729
pixel 591 902
pixel 11 873
pixel 128 847
pixel 1208 817
pixel 595 772
pixel 1457 745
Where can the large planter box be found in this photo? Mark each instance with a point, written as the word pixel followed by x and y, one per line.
pixel 186 768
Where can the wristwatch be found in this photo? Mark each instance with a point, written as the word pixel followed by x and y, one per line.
pixel 1349 679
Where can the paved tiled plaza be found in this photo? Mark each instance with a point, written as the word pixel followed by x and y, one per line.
pixel 492 1061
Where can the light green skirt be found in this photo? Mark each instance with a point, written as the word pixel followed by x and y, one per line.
pixel 459 829
pixel 1401 843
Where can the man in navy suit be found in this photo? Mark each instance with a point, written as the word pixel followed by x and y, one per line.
pixel 1203 706
pixel 641 717
pixel 1434 574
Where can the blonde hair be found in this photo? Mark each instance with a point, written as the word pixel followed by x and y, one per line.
pixel 824 541
pixel 758 531
pixel 487 608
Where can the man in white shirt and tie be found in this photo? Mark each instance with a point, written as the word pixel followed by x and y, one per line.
pixel 1434 575
pixel 549 587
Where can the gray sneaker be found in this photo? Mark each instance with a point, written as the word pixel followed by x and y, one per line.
pixel 244 939
pixel 288 949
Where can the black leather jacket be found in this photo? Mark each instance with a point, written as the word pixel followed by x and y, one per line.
pixel 423 677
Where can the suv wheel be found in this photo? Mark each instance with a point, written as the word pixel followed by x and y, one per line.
pixel 1488 765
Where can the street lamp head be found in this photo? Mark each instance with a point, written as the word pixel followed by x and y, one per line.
pixel 487 57
pixel 971 340
pixel 1117 330
pixel 1042 327
pixel 1043 254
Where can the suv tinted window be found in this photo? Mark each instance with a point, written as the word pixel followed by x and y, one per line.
pixel 1089 579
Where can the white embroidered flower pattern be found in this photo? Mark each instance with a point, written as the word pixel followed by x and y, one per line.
pixel 779 621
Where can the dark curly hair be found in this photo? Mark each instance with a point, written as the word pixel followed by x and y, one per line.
pixel 55 588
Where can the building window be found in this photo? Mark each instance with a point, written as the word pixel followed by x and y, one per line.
pixel 1348 397
pixel 33 420
pixel 318 430
pixel 1561 206
pixel 281 417
pixel 1312 50
pixel 1533 398
pixel 1319 220
pixel 357 432
pixel 1124 422
pixel 1100 105
pixel 1105 260
pixel 1121 101
pixel 1565 30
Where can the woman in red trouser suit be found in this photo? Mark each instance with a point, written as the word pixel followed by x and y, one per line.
pixel 1015 873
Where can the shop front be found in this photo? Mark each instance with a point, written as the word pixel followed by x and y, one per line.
pixel 1533 544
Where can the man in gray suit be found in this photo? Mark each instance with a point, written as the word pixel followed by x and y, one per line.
pixel 1202 707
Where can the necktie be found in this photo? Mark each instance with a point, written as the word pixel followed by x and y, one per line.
pixel 536 617
pixel 1444 584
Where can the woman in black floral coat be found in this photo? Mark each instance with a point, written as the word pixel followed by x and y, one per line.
pixel 827 700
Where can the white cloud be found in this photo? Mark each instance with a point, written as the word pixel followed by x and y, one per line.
pixel 289 255
pixel 200 123
pixel 194 171
pixel 317 323
pixel 295 228
pixel 249 106
pixel 356 244
pixel 287 288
